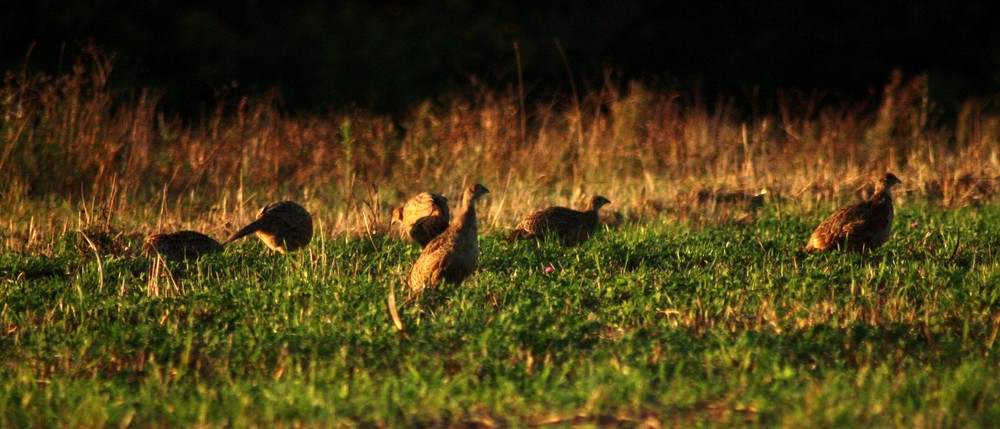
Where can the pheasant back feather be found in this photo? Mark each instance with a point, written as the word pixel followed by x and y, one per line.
pixel 423 217
pixel 284 226
pixel 181 245
pixel 454 255
pixel 859 227
pixel 573 227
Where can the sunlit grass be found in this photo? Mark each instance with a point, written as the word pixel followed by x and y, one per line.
pixel 662 324
pixel 693 307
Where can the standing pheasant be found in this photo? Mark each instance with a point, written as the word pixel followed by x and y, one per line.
pixel 181 245
pixel 454 255
pixel 283 226
pixel 573 227
pixel 423 217
pixel 858 227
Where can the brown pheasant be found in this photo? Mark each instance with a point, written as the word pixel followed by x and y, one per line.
pixel 423 217
pixel 858 227
pixel 283 226
pixel 573 227
pixel 454 255
pixel 181 245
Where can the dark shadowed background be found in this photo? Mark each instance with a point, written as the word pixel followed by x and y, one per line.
pixel 388 55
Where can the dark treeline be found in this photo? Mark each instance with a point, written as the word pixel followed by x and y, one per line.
pixel 387 55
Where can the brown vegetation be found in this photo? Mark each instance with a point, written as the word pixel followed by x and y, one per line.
pixel 69 142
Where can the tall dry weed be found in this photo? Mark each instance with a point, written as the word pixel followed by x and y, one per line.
pixel 654 151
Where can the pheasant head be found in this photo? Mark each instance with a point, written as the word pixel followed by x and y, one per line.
pixel 597 202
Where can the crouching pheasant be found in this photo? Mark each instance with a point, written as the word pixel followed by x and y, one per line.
pixel 181 245
pixel 283 226
pixel 858 227
pixel 573 227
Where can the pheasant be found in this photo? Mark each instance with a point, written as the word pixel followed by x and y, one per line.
pixel 423 217
pixel 452 256
pixel 181 245
pixel 283 226
pixel 573 227
pixel 858 227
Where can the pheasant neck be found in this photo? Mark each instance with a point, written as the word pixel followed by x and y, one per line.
pixel 882 195
pixel 592 209
pixel 467 220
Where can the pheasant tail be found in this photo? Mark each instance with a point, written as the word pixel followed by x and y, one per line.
pixel 247 230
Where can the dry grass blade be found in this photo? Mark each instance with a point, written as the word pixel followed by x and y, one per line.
pixel 100 263
pixel 157 270
pixel 393 313
pixel 958 249
pixel 371 215
pixel 928 334
pixel 993 334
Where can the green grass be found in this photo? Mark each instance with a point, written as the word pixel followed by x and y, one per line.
pixel 654 323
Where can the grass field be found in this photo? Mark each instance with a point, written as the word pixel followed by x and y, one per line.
pixel 689 309
pixel 652 324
